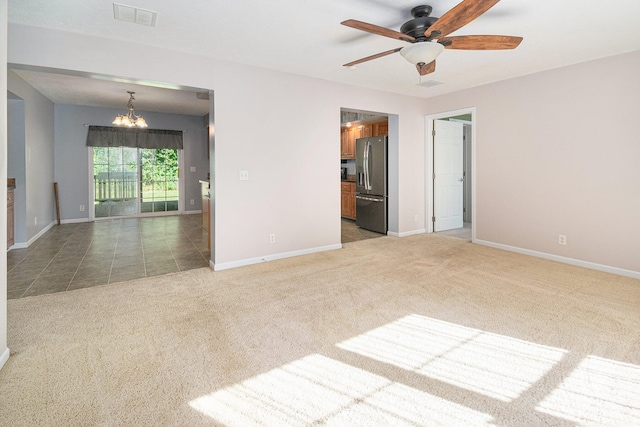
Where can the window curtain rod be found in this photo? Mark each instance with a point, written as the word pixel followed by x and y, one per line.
pixel 119 127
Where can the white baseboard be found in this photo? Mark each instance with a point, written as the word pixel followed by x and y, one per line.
pixel 4 357
pixel 73 221
pixel 24 245
pixel 565 260
pixel 406 233
pixel 273 257
pixel 79 220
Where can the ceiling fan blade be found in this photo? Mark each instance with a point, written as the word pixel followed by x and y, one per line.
pixel 381 31
pixel 369 58
pixel 481 42
pixel 426 68
pixel 459 16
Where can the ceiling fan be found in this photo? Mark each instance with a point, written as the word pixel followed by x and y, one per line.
pixel 427 34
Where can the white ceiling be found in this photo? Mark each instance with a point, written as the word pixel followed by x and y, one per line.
pixel 305 37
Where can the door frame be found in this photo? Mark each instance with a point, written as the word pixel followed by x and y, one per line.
pixel 429 165
pixel 467 166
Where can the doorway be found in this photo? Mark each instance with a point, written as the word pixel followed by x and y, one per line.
pixel 465 158
pixel 355 124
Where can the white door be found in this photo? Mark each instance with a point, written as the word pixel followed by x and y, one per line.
pixel 448 179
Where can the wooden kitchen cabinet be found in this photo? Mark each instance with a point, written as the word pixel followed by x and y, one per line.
pixel 348 200
pixel 348 136
pixel 381 128
pixel 348 142
pixel 344 142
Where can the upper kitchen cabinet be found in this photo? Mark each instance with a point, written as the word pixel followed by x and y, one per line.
pixel 348 141
pixel 381 128
pixel 348 136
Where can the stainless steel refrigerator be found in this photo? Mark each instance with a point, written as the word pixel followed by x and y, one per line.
pixel 371 183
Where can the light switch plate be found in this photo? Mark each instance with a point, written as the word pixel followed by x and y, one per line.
pixel 193 169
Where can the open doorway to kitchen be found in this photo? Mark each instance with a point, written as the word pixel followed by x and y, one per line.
pixel 355 125
pixel 451 173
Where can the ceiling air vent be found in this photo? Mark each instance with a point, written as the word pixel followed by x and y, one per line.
pixel 430 83
pixel 133 14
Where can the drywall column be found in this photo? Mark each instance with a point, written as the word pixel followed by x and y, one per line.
pixel 4 350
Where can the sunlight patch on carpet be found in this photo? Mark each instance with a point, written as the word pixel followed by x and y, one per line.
pixel 494 365
pixel 598 392
pixel 318 389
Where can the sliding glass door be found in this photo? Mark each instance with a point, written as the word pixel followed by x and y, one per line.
pixel 115 175
pixel 159 186
pixel 132 181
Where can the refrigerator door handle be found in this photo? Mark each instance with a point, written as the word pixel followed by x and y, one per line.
pixel 364 165
pixel 369 199
pixel 367 172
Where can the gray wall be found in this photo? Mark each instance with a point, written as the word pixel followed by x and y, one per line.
pixel 72 161
pixel 38 153
pixel 16 166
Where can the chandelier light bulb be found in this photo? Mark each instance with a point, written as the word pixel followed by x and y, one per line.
pixel 140 122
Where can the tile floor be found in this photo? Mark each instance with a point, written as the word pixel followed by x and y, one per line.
pixel 73 256
pixel 352 233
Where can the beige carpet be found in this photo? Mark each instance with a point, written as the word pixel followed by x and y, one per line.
pixel 424 330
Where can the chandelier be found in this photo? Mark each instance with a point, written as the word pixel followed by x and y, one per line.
pixel 130 119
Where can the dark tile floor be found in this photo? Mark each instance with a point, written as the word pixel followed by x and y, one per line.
pixel 352 233
pixel 73 256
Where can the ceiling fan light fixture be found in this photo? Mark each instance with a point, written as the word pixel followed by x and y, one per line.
pixel 421 52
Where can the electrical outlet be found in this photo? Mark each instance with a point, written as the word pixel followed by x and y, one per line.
pixel 192 169
pixel 272 238
pixel 562 239
pixel 81 208
pixel 35 220
pixel 415 218
pixel 244 175
pixel 192 201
